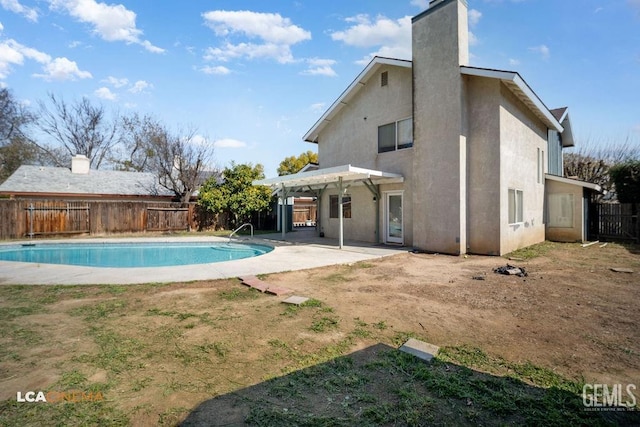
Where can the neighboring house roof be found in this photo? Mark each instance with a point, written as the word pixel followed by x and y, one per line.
pixel 350 92
pixel 50 180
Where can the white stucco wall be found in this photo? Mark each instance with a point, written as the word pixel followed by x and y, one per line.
pixel 576 232
pixel 522 134
pixel 352 139
pixel 483 178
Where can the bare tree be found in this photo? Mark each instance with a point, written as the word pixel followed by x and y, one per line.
pixel 592 161
pixel 16 147
pixel 180 159
pixel 78 128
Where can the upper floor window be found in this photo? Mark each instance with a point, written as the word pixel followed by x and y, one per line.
pixel 395 136
pixel 384 78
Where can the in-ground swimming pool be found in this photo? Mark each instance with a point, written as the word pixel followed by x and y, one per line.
pixel 127 255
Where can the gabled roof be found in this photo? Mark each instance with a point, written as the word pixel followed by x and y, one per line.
pixel 350 92
pixel 521 89
pixel 554 119
pixel 562 115
pixel 50 180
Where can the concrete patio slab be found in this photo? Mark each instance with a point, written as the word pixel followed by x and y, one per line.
pixel 302 250
pixel 295 300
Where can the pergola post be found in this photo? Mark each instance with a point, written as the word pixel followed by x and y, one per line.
pixel 283 217
pixel 340 215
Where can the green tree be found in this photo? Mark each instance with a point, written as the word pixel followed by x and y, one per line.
pixel 293 164
pixel 626 178
pixel 234 194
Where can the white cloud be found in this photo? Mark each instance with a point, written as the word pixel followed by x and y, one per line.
pixel 74 44
pixel 112 22
pixel 140 86
pixel 473 40
pixel 105 93
pixel 392 36
pixel 514 62
pixel 229 143
pixel 543 50
pixel 474 17
pixel 281 53
pixel 14 53
pixel 61 69
pixel 317 107
pixel 422 4
pixel 320 67
pixel 1 27
pixel 15 6
pixel 275 35
pixel 270 27
pixel 218 70
pixel 116 82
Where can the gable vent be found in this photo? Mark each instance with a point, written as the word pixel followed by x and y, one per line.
pixel 384 78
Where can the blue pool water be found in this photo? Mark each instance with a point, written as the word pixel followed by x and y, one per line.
pixel 131 254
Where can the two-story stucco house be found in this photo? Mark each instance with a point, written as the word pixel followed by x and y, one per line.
pixel 438 155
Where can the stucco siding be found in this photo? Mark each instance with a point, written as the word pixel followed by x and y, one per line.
pixel 439 182
pixel 575 233
pixel 483 179
pixel 352 136
pixel 522 135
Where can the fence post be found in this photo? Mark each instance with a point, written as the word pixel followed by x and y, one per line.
pixel 31 220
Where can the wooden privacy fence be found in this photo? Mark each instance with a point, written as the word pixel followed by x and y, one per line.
pixel 616 221
pixel 34 218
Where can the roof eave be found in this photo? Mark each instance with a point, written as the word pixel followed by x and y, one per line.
pixel 516 84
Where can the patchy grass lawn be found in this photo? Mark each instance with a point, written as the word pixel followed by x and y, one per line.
pixel 514 350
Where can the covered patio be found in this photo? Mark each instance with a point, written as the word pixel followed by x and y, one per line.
pixel 314 183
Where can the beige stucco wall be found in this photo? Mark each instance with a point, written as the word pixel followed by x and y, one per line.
pixel 350 139
pixel 521 135
pixel 568 234
pixel 483 178
pixel 440 46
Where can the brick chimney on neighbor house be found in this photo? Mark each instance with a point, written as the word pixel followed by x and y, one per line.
pixel 80 164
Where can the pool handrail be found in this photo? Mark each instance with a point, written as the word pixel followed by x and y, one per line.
pixel 240 228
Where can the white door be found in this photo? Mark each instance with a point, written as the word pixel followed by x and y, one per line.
pixel 393 218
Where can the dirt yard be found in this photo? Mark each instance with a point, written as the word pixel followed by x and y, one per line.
pixel 157 351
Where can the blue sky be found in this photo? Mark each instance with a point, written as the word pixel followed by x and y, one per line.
pixel 254 76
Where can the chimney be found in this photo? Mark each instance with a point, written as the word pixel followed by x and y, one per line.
pixel 440 45
pixel 80 164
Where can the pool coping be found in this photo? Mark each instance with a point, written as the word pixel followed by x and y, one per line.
pixel 297 253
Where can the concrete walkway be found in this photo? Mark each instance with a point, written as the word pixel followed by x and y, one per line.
pixel 302 250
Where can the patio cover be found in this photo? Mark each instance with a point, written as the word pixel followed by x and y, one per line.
pixel 316 181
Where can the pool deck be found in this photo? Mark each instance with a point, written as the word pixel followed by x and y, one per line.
pixel 302 250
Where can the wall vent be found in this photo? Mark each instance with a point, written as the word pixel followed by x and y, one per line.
pixel 384 78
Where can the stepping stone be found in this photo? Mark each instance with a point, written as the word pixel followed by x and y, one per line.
pixel 275 290
pixel 295 300
pixel 254 282
pixel 420 349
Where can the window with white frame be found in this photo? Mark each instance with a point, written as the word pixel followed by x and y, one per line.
pixel 515 206
pixel 560 211
pixel 395 136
